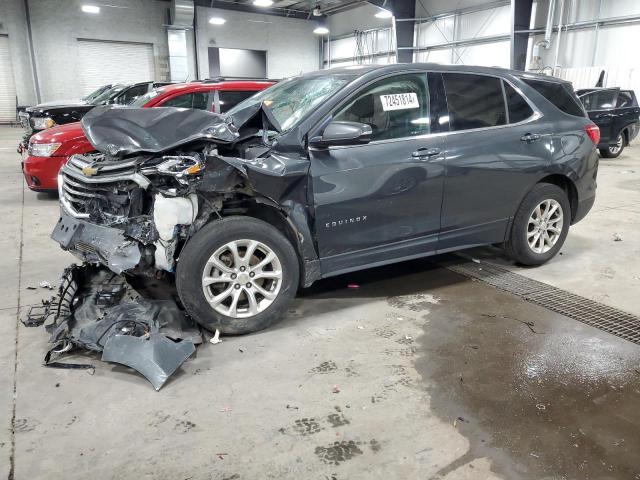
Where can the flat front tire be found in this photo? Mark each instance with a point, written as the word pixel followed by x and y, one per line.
pixel 237 275
pixel 540 225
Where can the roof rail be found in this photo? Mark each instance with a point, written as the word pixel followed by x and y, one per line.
pixel 237 79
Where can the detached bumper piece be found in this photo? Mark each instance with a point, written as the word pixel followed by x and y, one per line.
pixel 97 244
pixel 100 311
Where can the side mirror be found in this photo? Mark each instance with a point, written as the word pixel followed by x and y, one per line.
pixel 342 133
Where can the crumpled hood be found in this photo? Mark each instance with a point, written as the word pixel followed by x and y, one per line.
pixel 124 131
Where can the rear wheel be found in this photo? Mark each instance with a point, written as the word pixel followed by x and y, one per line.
pixel 237 275
pixel 540 225
pixel 613 151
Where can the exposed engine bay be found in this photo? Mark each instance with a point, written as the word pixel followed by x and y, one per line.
pixel 135 205
pixel 127 211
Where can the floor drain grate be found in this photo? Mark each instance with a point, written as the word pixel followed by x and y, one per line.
pixel 603 317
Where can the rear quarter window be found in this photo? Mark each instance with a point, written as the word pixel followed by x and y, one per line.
pixel 558 94
pixel 626 98
pixel 519 109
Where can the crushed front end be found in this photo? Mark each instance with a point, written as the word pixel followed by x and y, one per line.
pixel 127 211
pixel 124 215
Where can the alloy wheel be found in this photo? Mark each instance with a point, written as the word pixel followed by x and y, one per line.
pixel 242 278
pixel 615 149
pixel 544 226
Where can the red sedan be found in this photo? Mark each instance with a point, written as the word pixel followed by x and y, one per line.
pixel 51 148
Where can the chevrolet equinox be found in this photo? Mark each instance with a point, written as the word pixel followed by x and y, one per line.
pixel 326 173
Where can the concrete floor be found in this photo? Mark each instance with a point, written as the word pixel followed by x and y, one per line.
pixel 420 373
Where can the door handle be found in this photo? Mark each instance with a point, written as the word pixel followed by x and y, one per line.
pixel 530 137
pixel 604 115
pixel 425 152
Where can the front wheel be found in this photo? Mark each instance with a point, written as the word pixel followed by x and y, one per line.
pixel 237 275
pixel 613 151
pixel 540 225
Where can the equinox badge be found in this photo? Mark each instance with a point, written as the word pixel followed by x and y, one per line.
pixel 346 221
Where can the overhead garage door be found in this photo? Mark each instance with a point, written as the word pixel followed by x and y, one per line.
pixel 102 62
pixel 7 85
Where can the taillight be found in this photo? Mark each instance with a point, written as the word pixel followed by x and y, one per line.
pixel 594 133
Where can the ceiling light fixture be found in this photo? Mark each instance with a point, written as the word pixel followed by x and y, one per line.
pixel 90 9
pixel 263 3
pixel 321 30
pixel 384 14
pixel 217 21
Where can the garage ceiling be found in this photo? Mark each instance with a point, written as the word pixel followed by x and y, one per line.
pixel 289 8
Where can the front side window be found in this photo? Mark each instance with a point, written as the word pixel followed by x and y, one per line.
pixel 558 94
pixel 600 100
pixel 475 101
pixel 519 109
pixel 394 107
pixel 198 100
pixel 180 101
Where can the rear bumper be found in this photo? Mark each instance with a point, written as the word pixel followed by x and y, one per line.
pixel 41 173
pixel 583 208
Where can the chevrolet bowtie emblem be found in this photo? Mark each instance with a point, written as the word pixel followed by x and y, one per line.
pixel 89 171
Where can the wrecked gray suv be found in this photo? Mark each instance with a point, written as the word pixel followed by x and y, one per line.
pixel 327 173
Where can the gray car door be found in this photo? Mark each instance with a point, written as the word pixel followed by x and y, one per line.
pixel 381 200
pixel 495 150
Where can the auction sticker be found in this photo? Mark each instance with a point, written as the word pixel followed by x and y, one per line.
pixel 399 101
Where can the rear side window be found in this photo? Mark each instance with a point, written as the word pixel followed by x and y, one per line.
pixel 231 98
pixel 394 107
pixel 600 100
pixel 558 94
pixel 519 109
pixel 475 101
pixel 626 98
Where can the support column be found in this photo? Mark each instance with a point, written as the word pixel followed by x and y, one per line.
pixel 520 20
pixel 403 9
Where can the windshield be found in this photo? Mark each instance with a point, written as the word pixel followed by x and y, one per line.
pixel 142 100
pixel 96 92
pixel 107 94
pixel 292 99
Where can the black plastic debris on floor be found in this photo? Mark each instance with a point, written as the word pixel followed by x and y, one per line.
pixel 139 326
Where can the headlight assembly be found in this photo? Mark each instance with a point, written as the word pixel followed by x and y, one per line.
pixel 178 166
pixel 43 149
pixel 42 123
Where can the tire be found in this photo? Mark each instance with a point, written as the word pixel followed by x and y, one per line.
pixel 614 151
pixel 522 231
pixel 216 237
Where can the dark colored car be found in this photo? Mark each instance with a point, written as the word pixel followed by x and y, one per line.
pixel 327 173
pixel 46 115
pixel 50 149
pixel 617 114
